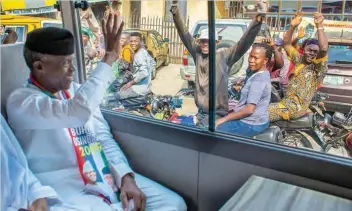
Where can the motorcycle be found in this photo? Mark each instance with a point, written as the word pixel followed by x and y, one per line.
pixel 336 131
pixel 164 107
pixel 316 130
pixel 139 105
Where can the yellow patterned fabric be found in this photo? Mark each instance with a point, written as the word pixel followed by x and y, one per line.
pixel 302 85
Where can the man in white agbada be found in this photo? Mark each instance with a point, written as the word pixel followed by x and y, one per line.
pixel 60 126
pixel 20 189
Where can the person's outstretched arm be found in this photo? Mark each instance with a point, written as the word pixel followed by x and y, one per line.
pixel 184 34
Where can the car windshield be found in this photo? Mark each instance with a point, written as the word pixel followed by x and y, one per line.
pixel 231 32
pixel 339 53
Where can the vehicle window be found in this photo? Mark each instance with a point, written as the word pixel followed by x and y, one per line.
pixel 159 38
pixel 20 30
pixel 165 94
pixel 179 93
pixel 225 31
pixel 340 53
pixel 28 18
pixel 155 41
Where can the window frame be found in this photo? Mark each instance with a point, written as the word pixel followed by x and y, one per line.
pixel 279 157
pixel 15 26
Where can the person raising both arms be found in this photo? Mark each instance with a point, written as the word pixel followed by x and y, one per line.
pixel 225 58
pixel 309 72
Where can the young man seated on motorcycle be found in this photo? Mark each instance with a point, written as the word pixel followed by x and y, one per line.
pixel 225 58
pixel 250 116
pixel 308 73
pixel 122 68
pixel 139 81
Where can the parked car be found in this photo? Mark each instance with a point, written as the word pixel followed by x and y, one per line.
pixel 156 45
pixel 338 80
pixel 230 30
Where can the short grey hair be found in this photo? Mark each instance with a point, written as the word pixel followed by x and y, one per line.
pixel 31 56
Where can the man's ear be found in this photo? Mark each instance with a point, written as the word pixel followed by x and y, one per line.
pixel 38 66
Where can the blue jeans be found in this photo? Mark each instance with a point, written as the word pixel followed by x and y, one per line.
pixel 237 127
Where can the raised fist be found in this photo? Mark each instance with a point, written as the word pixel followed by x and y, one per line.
pixel 262 7
pixel 297 19
pixel 318 19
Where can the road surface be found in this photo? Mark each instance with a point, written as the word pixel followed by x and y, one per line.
pixel 169 82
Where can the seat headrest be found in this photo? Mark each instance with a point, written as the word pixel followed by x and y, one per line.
pixel 14 71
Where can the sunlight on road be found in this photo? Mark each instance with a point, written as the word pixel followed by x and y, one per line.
pixel 169 82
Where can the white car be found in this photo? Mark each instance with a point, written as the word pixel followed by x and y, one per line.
pixel 229 29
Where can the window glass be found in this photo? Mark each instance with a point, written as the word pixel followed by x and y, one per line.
pixel 25 18
pixel 21 31
pixel 154 40
pixel 286 101
pixel 166 90
pixel 228 31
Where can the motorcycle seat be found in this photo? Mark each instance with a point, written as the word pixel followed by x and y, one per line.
pixel 272 134
pixel 305 122
pixel 135 101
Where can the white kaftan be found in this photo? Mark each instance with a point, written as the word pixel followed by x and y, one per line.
pixel 40 123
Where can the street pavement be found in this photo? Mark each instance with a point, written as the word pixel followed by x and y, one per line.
pixel 169 82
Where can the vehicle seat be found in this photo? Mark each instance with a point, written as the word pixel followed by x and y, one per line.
pixel 14 71
pixel 306 121
pixel 272 134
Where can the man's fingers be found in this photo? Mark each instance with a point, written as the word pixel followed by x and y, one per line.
pixel 137 202
pixel 124 200
pixel 110 23
pixel 144 202
pixel 116 25
pixel 103 24
pixel 119 32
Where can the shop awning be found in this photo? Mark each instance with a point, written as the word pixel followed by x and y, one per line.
pixel 25 4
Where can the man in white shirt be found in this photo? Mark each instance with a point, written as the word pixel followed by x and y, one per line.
pixel 20 189
pixel 60 126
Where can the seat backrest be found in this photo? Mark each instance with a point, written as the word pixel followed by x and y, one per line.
pixel 14 71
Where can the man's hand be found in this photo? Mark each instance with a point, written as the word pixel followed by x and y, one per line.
pixel 39 205
pixel 301 32
pixel 112 29
pixel 100 53
pixel 11 37
pixel 270 41
pixel 126 86
pixel 219 122
pixel 297 19
pixel 129 190
pixel 262 6
pixel 318 19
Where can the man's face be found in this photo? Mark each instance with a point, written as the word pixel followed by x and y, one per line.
pixel 257 59
pixel 124 40
pixel 56 71
pixel 204 46
pixel 91 176
pixel 310 53
pixel 135 43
